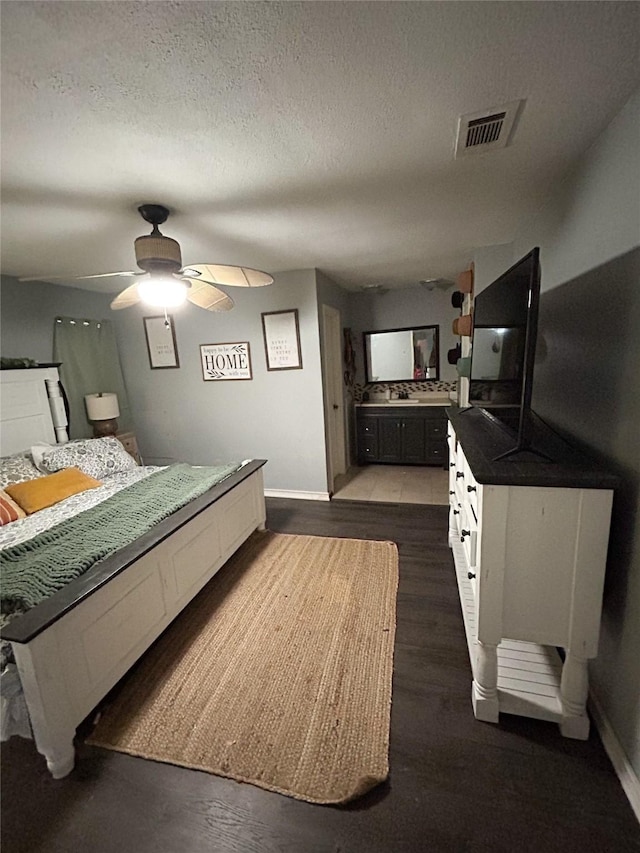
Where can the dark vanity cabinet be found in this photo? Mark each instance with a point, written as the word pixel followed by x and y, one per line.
pixel 402 435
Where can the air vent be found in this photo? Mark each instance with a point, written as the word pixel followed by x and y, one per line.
pixel 483 131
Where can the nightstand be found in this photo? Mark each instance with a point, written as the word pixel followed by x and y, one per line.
pixel 130 444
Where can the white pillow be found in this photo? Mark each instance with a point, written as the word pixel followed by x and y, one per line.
pixel 97 457
pixel 17 469
pixel 37 454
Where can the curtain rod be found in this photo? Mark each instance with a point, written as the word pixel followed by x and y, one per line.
pixel 75 322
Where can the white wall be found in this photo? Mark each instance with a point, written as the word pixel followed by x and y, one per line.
pixel 278 415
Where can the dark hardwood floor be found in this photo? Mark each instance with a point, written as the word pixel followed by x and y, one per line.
pixel 455 785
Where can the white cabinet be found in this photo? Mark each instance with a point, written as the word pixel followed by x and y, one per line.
pixel 530 563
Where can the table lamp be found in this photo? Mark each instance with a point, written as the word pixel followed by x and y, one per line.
pixel 103 412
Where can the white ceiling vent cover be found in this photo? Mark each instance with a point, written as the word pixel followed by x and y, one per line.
pixel 488 129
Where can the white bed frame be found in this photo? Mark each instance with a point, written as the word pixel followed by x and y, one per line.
pixel 72 663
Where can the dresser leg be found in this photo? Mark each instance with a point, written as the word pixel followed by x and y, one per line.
pixel 574 689
pixel 484 691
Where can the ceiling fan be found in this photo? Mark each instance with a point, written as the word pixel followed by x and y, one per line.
pixel 164 282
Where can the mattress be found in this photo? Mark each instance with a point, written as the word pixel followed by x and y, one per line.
pixel 26 528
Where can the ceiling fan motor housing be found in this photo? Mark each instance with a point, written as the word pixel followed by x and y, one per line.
pixel 157 252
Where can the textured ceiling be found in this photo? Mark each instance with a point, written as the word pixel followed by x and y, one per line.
pixel 293 135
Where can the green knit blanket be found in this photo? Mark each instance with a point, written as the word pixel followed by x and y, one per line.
pixel 35 569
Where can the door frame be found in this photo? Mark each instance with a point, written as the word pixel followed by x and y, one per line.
pixel 333 393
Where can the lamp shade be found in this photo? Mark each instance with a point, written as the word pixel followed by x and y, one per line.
pixel 102 407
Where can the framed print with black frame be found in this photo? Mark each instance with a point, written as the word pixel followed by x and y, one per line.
pixel 226 361
pixel 282 340
pixel 161 342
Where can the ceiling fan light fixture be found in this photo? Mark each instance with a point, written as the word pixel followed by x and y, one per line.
pixel 163 292
pixel 165 283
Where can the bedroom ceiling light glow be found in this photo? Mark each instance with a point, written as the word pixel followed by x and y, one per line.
pixel 162 292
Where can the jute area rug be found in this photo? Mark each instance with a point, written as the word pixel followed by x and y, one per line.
pixel 278 673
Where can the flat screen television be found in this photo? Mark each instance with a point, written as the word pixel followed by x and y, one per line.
pixel 505 324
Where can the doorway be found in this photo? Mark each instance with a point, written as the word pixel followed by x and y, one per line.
pixel 413 484
pixel 335 424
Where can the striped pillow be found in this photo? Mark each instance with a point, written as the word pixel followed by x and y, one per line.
pixel 9 509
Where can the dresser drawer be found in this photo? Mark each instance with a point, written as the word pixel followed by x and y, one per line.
pixel 469 536
pixel 367 449
pixel 435 429
pixel 367 426
pixel 437 452
pixel 471 488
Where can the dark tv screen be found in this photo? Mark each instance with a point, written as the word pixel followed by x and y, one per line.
pixel 503 349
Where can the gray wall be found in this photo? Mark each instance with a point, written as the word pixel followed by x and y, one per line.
pixel 397 309
pixel 278 415
pixel 28 311
pixel 587 386
pixel 587 374
pixel 329 293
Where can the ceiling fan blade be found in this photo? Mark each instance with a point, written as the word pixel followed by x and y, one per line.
pixel 207 296
pixel 225 274
pixel 73 277
pixel 127 298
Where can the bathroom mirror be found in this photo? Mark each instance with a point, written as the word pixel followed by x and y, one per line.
pixel 402 355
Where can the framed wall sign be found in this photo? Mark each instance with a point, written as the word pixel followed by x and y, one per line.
pixel 282 340
pixel 225 361
pixel 161 341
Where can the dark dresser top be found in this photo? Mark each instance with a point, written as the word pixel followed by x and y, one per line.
pixel 482 440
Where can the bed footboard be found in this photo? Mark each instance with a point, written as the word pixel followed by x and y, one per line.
pixel 71 665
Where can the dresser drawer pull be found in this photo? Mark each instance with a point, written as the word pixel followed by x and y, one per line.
pixel 459 474
pixel 471 489
pixel 452 493
pixel 464 533
pixel 456 512
pixel 452 464
pixel 471 575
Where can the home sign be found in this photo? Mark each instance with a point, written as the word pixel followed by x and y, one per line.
pixel 225 361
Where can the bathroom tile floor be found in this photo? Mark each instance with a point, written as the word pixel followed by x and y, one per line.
pixel 412 484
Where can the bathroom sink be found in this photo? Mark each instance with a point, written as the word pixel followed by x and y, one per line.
pixel 442 400
pixel 424 401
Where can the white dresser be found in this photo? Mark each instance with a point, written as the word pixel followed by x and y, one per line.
pixel 529 541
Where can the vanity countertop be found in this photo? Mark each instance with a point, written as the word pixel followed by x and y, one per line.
pixel 426 401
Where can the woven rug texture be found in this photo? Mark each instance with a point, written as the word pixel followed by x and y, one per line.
pixel 278 673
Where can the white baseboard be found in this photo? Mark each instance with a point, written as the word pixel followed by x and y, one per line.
pixel 625 772
pixel 303 496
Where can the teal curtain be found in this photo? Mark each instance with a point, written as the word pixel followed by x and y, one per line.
pixel 90 363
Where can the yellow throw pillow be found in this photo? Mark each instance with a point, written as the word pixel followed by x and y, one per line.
pixel 47 491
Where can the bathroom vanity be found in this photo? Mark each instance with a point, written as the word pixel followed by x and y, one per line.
pixel 402 432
